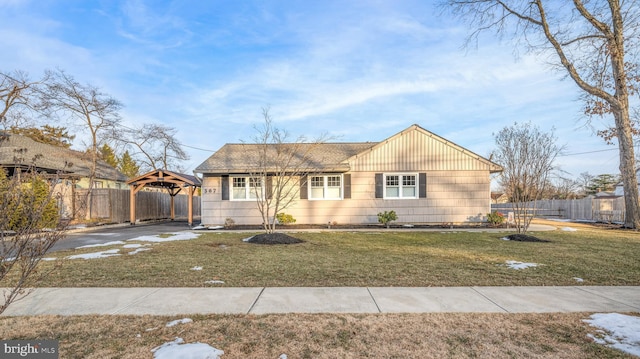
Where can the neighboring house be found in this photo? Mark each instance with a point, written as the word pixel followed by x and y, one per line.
pixel 499 197
pixel 424 178
pixel 619 191
pixel 72 168
pixel 605 195
pixel 20 153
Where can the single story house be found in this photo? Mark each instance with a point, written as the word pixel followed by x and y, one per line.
pixel 71 168
pixel 423 177
pixel 20 153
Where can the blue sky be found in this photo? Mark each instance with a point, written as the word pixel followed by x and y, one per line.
pixel 357 70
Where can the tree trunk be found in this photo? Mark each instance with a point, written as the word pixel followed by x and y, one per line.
pixel 627 170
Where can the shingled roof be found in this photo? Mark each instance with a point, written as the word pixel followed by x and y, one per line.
pixel 242 158
pixel 18 151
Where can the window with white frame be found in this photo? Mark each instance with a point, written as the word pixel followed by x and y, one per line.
pixel 325 187
pixel 246 188
pixel 401 186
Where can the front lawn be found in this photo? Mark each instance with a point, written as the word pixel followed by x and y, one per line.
pixel 589 256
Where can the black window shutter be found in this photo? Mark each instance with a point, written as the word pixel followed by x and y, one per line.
pixel 347 185
pixel 303 188
pixel 379 185
pixel 269 187
pixel 225 188
pixel 422 181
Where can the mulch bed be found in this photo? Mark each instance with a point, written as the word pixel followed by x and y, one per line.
pixel 274 238
pixel 525 238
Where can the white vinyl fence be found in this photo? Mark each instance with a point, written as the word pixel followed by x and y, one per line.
pixel 609 210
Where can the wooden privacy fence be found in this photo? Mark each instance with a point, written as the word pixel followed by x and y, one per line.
pixel 585 209
pixel 113 205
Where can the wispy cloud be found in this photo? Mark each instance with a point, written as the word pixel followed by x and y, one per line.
pixel 152 26
pixel 360 70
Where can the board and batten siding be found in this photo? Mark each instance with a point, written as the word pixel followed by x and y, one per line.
pixel 417 151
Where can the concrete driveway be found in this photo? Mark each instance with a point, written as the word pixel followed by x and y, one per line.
pixel 88 236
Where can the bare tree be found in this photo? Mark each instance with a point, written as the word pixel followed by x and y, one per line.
pixel 27 207
pixel 527 156
pixel 584 181
pixel 595 43
pixel 279 169
pixel 19 96
pixel 155 147
pixel 84 104
pixel 563 188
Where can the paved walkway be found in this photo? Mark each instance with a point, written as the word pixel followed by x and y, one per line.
pixel 256 300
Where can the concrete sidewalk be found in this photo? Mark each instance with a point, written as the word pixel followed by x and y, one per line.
pixel 257 300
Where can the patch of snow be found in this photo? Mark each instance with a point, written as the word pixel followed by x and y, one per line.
pixel 505 238
pixel 247 239
pixel 196 268
pixel 558 219
pixel 139 250
pixel 405 226
pixel 94 255
pixel 112 243
pixel 569 229
pixel 175 236
pixel 198 227
pixel 585 221
pixel 150 329
pixel 134 245
pixel 283 356
pixel 216 227
pixel 48 259
pixel 178 349
pixel 179 321
pixel 214 282
pixel 617 331
pixel 520 265
pixel 579 280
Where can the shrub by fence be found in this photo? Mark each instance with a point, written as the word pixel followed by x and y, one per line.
pixel 585 209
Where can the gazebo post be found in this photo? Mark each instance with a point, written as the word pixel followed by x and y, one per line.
pixel 190 204
pixel 173 207
pixel 134 188
pixel 132 205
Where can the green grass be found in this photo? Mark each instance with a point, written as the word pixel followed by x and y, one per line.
pixel 384 258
